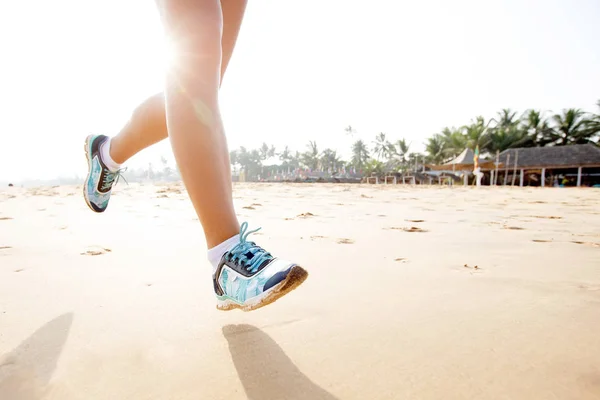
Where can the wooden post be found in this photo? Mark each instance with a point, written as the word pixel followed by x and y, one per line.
pixel 543 177
pixel 515 169
pixel 579 176
pixel 506 169
pixel 497 162
pixel 491 177
pixel 522 178
pixel 465 179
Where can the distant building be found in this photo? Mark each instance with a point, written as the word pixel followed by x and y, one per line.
pixel 555 165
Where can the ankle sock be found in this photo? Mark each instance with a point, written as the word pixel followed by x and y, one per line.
pixel 111 164
pixel 215 254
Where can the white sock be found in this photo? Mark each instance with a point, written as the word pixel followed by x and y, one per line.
pixel 111 164
pixel 215 254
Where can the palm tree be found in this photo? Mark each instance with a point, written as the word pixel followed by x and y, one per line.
pixel 263 151
pixel 435 148
pixel 233 157
pixel 310 158
pixel 506 133
pixel 401 148
pixel 360 154
pixel 285 156
pixel 166 172
pixel 330 160
pixel 536 128
pixel 374 167
pixel 506 118
pixel 383 148
pixel 250 161
pixel 505 138
pixel 455 141
pixel 593 126
pixel 570 128
pixel 350 131
pixel 266 152
pixel 414 159
pixel 476 133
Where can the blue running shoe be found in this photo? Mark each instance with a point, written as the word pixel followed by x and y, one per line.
pixel 99 182
pixel 248 277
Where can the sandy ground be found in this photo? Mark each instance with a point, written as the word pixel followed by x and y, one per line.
pixel 413 293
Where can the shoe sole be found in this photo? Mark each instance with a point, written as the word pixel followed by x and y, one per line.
pixel 88 158
pixel 294 279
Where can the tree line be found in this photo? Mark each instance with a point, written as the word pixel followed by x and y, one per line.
pixel 508 129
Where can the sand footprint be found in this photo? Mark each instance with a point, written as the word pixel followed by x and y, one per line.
pixel 169 190
pixel 586 243
pixel 5 218
pixel 592 288
pixel 95 251
pixel 345 241
pixel 306 215
pixel 411 229
pixel 475 269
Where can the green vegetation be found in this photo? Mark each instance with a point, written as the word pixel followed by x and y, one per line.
pixel 507 129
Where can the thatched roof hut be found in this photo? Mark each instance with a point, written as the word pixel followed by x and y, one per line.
pixel 554 158
pixel 574 156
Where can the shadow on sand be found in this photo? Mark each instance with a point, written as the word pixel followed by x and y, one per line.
pixel 26 371
pixel 264 369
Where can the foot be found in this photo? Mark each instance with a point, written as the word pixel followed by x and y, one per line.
pixel 248 277
pixel 99 182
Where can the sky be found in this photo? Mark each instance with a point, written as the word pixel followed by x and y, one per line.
pixel 301 70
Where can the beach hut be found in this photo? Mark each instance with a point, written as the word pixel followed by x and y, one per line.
pixel 463 165
pixel 574 161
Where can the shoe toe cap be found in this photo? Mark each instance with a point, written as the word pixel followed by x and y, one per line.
pixel 276 278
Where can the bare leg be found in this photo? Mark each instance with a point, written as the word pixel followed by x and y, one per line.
pixel 148 124
pixel 193 115
pixel 245 276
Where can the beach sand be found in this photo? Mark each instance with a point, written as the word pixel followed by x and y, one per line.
pixel 413 293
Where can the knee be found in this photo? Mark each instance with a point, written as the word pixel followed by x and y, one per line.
pixel 151 112
pixel 193 26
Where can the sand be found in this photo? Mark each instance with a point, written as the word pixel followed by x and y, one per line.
pixel 413 293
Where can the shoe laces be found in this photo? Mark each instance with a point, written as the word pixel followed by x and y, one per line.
pixel 111 178
pixel 248 254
